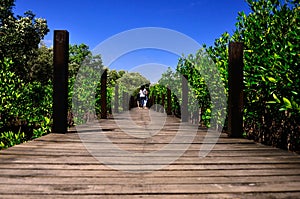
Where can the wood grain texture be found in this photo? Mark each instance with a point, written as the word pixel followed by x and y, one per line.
pixel 59 166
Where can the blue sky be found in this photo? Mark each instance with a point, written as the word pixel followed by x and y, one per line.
pixel 93 21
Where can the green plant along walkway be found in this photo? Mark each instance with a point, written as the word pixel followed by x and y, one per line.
pixel 59 166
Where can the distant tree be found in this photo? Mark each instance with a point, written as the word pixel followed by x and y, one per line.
pixel 20 37
pixel 77 54
pixel 41 65
pixel 113 76
pixel 130 82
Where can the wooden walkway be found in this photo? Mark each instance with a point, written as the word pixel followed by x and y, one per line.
pixel 60 166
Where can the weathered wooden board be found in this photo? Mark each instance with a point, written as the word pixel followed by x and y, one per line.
pixel 60 166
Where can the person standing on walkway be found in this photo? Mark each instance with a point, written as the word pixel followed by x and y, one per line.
pixel 145 91
pixel 142 96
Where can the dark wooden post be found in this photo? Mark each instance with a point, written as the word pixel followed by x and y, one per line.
pixel 184 105
pixel 235 85
pixel 150 101
pixel 131 102
pixel 116 104
pixel 169 101
pixel 104 95
pixel 60 81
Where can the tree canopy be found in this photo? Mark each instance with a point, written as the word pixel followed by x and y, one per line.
pixel 20 37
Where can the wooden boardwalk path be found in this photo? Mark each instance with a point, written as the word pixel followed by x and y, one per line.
pixel 60 166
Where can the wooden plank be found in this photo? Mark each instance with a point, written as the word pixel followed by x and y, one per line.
pixel 33 180
pixel 172 167
pixel 151 189
pixel 278 195
pixel 60 166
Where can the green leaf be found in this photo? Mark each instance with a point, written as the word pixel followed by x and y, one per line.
pixel 287 103
pixel 276 56
pixel 294 92
pixel 276 98
pixel 271 79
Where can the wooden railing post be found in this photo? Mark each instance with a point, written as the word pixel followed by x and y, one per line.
pixel 60 81
pixel 104 95
pixel 184 105
pixel 131 102
pixel 235 86
pixel 169 101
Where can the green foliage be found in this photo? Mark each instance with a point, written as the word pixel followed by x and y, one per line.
pixel 172 80
pixel 9 139
pixel 84 97
pixel 125 82
pixel 41 65
pixel 10 92
pixel 131 82
pixel 271 37
pixel 86 90
pixel 20 37
pixel 43 129
pixel 24 107
pixel 207 94
pixel 271 74
pixel 77 55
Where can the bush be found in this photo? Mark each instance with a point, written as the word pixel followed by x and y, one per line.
pixel 26 108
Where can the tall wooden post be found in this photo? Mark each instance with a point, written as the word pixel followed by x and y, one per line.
pixel 184 105
pixel 169 101
pixel 104 95
pixel 131 102
pixel 116 103
pixel 60 81
pixel 235 85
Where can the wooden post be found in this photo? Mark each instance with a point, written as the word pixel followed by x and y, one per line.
pixel 104 95
pixel 116 104
pixel 150 101
pixel 184 105
pixel 169 101
pixel 235 85
pixel 131 102
pixel 60 81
